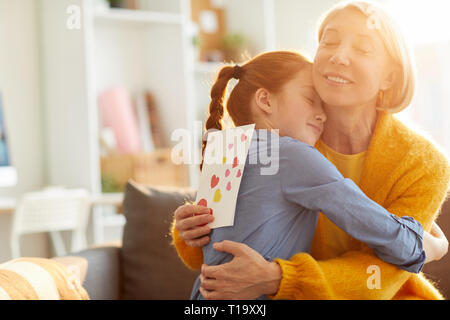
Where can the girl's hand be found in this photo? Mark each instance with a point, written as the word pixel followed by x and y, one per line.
pixel 191 222
pixel 247 276
pixel 435 243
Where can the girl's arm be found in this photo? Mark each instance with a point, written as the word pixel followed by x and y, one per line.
pixel 309 179
pixel 350 276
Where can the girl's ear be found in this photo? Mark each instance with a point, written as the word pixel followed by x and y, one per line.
pixel 263 100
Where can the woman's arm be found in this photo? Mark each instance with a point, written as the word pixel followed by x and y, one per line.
pixel 260 276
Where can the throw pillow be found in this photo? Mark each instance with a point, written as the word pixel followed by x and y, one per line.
pixel 39 279
pixel 151 266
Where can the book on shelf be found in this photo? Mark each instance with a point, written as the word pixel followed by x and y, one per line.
pixel 135 125
pixel 154 120
pixel 144 123
pixel 117 113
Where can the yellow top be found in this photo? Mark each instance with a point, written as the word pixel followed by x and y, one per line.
pixel 350 166
pixel 403 172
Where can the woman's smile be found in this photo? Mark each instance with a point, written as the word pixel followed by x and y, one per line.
pixel 336 79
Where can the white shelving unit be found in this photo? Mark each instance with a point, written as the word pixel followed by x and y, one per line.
pixel 141 16
pixel 142 50
pixel 139 49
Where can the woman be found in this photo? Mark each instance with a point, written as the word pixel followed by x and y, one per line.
pixel 363 73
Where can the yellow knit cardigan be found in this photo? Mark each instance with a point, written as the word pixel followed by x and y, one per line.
pixel 407 175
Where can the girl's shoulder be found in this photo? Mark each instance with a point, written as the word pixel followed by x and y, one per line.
pixel 282 145
pixel 290 145
pixel 297 156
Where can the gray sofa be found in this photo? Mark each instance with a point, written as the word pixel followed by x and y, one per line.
pixel 146 266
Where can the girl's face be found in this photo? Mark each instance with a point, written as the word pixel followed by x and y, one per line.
pixel 299 112
pixel 351 63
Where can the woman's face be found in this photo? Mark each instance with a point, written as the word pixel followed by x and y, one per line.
pixel 351 63
pixel 299 109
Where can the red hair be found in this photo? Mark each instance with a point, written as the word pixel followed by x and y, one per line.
pixel 269 70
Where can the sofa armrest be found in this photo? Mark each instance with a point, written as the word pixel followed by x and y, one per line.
pixel 103 277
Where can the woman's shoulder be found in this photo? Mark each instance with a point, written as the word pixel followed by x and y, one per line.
pixel 402 153
pixel 411 144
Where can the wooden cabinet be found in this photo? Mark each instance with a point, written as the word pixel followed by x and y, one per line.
pixel 156 168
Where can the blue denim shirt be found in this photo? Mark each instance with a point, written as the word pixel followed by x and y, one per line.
pixel 276 214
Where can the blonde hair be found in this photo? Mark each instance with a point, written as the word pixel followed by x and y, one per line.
pixel 399 96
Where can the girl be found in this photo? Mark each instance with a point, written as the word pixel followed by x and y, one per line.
pixel 276 215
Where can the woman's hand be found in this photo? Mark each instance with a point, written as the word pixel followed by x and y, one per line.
pixel 191 222
pixel 435 243
pixel 247 276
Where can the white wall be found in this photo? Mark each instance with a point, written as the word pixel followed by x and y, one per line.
pixel 20 88
pixel 19 84
pixel 296 23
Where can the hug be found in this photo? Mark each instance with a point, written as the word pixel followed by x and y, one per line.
pixel 356 187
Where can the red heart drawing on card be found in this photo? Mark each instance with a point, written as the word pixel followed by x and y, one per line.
pixel 230 146
pixel 214 181
pixel 227 173
pixel 229 186
pixel 239 173
pixel 202 203
pixel 243 137
pixel 235 162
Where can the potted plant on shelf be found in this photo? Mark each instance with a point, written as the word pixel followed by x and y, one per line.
pixel 196 44
pixel 117 3
pixel 234 46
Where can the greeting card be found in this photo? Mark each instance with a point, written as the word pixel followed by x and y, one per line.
pixel 223 166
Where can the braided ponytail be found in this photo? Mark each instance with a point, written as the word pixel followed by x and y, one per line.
pixel 216 108
pixel 270 70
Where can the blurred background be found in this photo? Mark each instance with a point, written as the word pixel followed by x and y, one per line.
pixel 91 90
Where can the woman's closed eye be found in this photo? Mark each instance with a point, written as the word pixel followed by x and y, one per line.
pixel 364 47
pixel 363 50
pixel 329 42
pixel 330 38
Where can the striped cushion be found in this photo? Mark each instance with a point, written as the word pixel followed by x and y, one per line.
pixel 39 279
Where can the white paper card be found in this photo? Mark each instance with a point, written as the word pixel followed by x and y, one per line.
pixel 223 166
